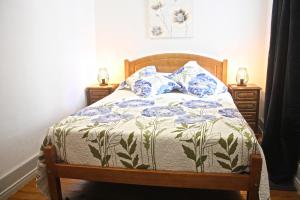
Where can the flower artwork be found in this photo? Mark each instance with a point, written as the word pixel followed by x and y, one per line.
pixel 170 18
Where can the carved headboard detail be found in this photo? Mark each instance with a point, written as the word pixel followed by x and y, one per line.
pixel 169 62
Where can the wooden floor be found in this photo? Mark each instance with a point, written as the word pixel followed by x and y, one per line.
pixel 84 190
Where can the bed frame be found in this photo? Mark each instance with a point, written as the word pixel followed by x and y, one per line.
pixel 169 62
pixel 219 181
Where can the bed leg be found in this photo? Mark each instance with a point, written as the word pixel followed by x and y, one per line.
pixel 53 179
pixel 255 172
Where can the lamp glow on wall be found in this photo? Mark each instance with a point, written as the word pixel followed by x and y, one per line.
pixel 114 65
pixel 103 76
pixel 242 76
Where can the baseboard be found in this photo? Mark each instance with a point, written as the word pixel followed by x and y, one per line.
pixel 17 178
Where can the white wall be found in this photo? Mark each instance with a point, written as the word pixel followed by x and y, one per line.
pixel 47 49
pixel 47 55
pixel 234 29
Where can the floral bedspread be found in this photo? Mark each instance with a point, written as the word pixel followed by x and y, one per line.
pixel 172 131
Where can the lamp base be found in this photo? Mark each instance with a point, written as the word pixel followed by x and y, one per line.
pixel 103 84
pixel 239 84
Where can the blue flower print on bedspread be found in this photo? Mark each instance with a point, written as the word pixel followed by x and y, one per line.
pixel 201 104
pixel 230 112
pixel 202 85
pixel 192 119
pixel 135 103
pixel 163 111
pixel 142 88
pixel 112 117
pixel 91 111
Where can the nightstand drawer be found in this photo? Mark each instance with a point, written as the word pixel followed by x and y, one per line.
pixel 99 93
pixel 246 105
pixel 96 92
pixel 94 100
pixel 246 98
pixel 249 116
pixel 244 95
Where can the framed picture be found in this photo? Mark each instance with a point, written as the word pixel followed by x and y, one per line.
pixel 170 18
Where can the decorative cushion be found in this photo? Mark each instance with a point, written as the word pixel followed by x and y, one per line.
pixel 153 85
pixel 194 79
pixel 143 72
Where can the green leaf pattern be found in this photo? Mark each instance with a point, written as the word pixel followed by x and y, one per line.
pixel 128 157
pixel 196 143
pixel 137 142
pixel 227 159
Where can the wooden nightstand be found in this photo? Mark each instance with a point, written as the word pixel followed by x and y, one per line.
pixel 96 92
pixel 246 98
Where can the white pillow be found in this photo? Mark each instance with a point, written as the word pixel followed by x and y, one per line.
pixel 153 85
pixel 195 80
pixel 221 87
pixel 143 72
pixel 147 82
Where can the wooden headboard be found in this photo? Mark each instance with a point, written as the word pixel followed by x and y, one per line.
pixel 169 62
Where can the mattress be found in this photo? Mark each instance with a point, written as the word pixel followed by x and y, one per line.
pixel 172 131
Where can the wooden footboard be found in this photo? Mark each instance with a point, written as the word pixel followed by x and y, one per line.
pixel 220 181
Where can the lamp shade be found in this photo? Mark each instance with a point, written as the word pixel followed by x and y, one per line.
pixel 103 76
pixel 242 76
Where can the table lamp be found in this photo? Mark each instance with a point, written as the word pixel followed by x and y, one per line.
pixel 242 76
pixel 103 76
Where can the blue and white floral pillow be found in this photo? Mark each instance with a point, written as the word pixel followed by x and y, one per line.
pixel 141 73
pixel 195 80
pixel 153 85
pixel 147 82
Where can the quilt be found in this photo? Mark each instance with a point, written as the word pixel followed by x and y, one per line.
pixel 171 131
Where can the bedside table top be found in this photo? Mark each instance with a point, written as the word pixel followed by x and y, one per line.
pixel 109 86
pixel 246 87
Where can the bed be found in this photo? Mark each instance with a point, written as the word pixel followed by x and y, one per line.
pixel 144 148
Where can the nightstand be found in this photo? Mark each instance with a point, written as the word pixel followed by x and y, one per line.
pixel 96 92
pixel 246 98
